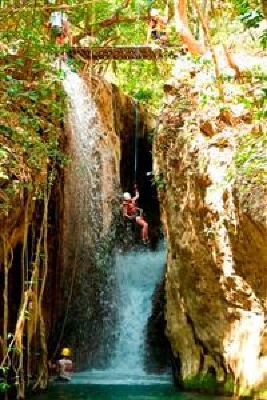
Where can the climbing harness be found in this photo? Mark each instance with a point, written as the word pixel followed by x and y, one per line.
pixel 131 209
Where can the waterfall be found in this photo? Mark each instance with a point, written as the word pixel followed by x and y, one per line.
pixel 133 277
pixel 137 273
pixel 82 177
pixel 90 197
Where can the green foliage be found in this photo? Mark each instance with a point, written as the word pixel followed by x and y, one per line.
pixel 229 385
pixel 144 94
pixel 248 13
pixel 251 157
pixel 202 381
pixel 208 383
pixel 146 80
pixel 251 18
pixel 31 116
pixel 245 6
pixel 32 102
pixel 159 181
pixel 263 39
pixel 4 386
pixel 251 154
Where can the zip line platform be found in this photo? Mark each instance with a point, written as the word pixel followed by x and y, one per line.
pixel 126 52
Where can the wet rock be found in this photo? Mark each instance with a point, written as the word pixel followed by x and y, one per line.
pixel 158 350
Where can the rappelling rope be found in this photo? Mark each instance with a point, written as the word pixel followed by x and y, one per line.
pixel 91 55
pixel 136 137
pixel 136 103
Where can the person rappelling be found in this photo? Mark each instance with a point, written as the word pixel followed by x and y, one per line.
pixel 157 27
pixel 134 213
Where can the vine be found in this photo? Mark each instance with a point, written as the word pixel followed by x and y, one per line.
pixel 31 312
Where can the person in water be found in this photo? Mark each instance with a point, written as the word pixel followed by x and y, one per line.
pixel 134 213
pixel 64 365
pixel 157 27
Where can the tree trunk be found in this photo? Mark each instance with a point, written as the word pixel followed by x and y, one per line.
pixel 182 28
pixel 264 8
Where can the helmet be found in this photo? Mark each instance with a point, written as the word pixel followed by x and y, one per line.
pixel 154 12
pixel 65 352
pixel 127 196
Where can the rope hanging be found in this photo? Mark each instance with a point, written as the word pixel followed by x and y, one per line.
pixel 136 106
pixel 136 137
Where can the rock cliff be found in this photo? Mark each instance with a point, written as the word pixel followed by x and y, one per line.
pixel 214 216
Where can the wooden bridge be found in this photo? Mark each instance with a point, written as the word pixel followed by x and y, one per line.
pixel 126 52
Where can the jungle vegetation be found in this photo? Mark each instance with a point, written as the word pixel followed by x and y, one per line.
pixel 32 106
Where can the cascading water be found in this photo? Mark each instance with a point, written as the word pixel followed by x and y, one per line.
pixel 90 196
pixel 136 273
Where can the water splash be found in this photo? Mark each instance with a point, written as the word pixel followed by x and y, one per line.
pixel 137 274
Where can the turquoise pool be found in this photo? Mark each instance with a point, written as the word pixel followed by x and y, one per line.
pixel 117 392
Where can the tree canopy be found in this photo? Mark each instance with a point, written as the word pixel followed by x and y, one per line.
pixel 24 31
pixel 33 102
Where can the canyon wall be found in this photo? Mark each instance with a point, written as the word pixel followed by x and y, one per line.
pixel 100 132
pixel 215 223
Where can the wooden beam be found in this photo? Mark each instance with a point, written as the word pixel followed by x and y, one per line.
pixel 126 52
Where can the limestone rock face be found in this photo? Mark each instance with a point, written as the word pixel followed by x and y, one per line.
pixel 215 224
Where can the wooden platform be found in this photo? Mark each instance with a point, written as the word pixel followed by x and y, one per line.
pixel 126 52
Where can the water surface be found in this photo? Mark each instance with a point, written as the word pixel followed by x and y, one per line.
pixel 118 392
